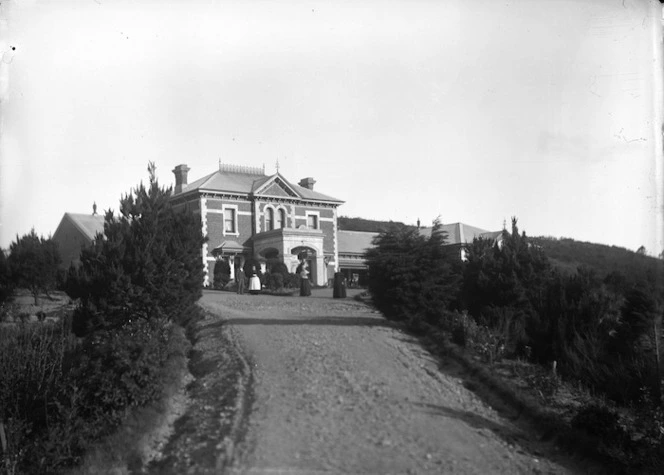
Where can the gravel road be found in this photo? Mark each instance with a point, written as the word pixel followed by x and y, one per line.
pixel 338 389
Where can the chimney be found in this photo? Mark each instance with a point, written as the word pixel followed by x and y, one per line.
pixel 180 173
pixel 418 223
pixel 307 183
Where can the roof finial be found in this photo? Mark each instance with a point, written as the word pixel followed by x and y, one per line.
pixel 277 165
pixel 504 224
pixel 94 208
pixel 219 163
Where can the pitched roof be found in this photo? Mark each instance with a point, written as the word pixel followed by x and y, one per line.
pixel 229 246
pixel 308 194
pixel 226 181
pixel 247 182
pixel 354 242
pixel 88 224
pixel 461 233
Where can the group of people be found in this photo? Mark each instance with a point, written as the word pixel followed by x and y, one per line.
pixel 302 271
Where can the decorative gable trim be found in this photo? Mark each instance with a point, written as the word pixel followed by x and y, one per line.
pixel 286 189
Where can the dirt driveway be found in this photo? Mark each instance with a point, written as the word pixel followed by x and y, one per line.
pixel 338 389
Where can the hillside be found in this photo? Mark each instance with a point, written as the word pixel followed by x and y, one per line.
pixel 568 254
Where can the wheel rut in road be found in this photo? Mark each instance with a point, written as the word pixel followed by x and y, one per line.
pixel 339 389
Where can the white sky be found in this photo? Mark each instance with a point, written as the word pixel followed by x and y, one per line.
pixel 548 110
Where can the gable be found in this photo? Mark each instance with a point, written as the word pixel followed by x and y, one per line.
pixel 277 187
pixel 275 190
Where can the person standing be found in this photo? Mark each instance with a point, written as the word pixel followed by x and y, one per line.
pixel 254 282
pixel 239 278
pixel 305 285
pixel 339 286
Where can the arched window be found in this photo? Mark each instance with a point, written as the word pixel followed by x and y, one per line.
pixel 269 219
pixel 281 219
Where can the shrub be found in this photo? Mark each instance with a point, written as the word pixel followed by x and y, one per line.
pixel 146 265
pixel 600 421
pixel 34 389
pixel 6 282
pixel 276 281
pixel 291 281
pixel 222 274
pixel 279 267
pixel 33 263
pixel 411 278
pixel 58 396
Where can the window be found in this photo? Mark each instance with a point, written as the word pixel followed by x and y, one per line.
pixel 269 219
pixel 281 219
pixel 312 221
pixel 229 220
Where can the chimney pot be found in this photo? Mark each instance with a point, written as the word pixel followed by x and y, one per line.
pixel 180 173
pixel 307 183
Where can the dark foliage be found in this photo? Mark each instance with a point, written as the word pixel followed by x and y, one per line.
pixel 57 396
pixel 146 266
pixel 6 282
pixel 33 263
pixel 619 267
pixel 279 268
pixel 411 276
pixel 221 275
pixel 276 281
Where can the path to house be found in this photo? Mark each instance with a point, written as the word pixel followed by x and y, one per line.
pixel 337 389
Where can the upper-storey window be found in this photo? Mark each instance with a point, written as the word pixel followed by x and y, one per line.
pixel 281 218
pixel 229 220
pixel 269 219
pixel 312 221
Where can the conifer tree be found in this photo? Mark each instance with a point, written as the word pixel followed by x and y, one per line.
pixel 146 265
pixel 411 277
pixel 6 284
pixel 33 263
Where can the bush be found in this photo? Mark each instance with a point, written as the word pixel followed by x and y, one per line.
pixel 57 396
pixel 411 278
pixel 276 281
pixel 291 281
pixel 600 421
pixel 34 389
pixel 146 265
pixel 6 282
pixel 33 263
pixel 222 274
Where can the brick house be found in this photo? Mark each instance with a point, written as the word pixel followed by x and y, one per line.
pixel 246 213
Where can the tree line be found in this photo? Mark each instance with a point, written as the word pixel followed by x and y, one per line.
pixel 596 328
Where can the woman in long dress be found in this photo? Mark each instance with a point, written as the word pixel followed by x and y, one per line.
pixel 254 282
pixel 339 291
pixel 305 285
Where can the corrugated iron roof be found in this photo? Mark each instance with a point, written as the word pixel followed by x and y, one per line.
pixel 354 242
pixel 246 183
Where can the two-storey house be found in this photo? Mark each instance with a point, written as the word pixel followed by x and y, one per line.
pixel 246 213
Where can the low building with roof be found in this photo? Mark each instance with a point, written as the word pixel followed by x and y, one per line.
pixel 459 235
pixel 75 232
pixel 354 244
pixel 246 213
